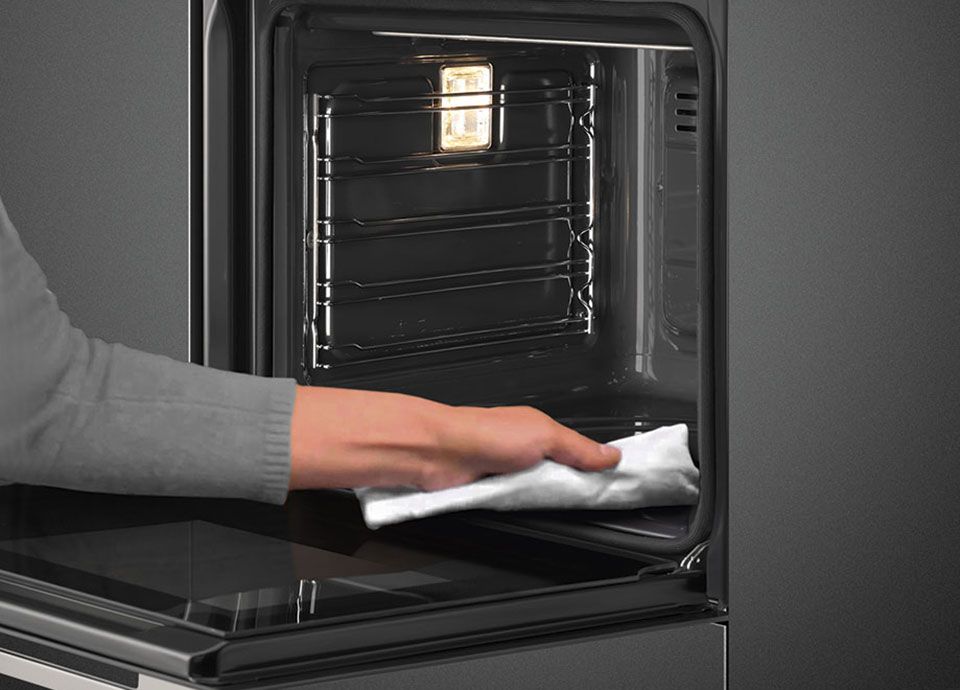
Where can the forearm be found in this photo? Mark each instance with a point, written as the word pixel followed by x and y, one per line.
pixel 79 413
pixel 347 438
pixel 125 421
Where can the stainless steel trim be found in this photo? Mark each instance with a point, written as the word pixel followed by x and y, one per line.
pixel 252 181
pixel 56 678
pixel 586 236
pixel 204 355
pixel 190 200
pixel 695 557
pixel 726 652
pixel 511 39
pixel 315 218
pixel 313 586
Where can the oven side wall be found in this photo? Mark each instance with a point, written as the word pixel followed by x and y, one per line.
pixel 93 160
pixel 844 162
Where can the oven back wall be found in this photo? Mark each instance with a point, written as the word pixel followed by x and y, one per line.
pixel 93 159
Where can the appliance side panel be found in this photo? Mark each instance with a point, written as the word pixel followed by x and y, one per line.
pixel 93 169
pixel 844 161
pixel 689 656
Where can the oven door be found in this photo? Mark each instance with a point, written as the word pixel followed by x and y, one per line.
pixel 226 591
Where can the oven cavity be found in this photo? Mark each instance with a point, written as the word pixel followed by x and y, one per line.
pixel 451 203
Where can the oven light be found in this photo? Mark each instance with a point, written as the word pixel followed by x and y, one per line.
pixel 463 128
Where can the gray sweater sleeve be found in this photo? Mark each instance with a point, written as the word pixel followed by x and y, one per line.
pixel 79 413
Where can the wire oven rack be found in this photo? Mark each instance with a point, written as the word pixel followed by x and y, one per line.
pixel 413 250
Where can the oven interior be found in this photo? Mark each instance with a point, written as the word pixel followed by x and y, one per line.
pixel 484 222
pixel 556 266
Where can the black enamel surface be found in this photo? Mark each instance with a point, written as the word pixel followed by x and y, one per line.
pixel 231 566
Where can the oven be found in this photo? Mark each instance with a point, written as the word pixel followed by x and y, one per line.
pixel 481 203
pixel 519 204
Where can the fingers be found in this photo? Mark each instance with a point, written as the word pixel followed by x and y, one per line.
pixel 564 445
pixel 499 440
pixel 568 447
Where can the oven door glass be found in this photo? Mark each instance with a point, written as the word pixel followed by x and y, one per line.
pixel 233 567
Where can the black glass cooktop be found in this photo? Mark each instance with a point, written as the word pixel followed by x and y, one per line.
pixel 237 567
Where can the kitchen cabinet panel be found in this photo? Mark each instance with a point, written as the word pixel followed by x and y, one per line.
pixel 844 331
pixel 690 656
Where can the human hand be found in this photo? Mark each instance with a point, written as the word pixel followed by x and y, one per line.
pixel 349 438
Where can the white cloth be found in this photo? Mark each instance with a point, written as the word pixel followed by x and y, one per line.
pixel 655 469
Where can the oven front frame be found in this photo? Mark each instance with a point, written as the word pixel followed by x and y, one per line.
pixel 239 290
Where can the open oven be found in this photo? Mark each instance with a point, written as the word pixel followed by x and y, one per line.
pixel 504 203
pixel 487 202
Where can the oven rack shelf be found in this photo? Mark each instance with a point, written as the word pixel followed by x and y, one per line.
pixel 467 308
pixel 569 213
pixel 414 250
pixel 532 297
pixel 557 269
pixel 361 294
pixel 576 94
pixel 408 347
pixel 463 165
pixel 442 155
pixel 434 95
pixel 423 236
pixel 485 306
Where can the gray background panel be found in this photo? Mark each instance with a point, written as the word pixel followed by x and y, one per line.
pixel 845 325
pixel 93 159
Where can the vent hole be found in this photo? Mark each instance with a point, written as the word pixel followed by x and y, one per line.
pixel 686 128
pixel 686 96
pixel 689 113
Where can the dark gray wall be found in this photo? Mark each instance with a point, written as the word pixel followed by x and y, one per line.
pixel 845 326
pixel 93 159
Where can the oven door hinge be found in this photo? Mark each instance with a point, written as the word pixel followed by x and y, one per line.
pixel 694 558
pixel 718 606
pixel 695 561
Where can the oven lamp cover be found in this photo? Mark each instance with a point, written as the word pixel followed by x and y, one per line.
pixel 465 128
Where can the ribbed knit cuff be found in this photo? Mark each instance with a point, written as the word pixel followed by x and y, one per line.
pixel 275 465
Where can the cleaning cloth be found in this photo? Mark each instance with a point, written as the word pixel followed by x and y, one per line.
pixel 655 469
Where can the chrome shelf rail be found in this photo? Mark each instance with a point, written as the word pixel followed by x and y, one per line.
pixel 353 319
